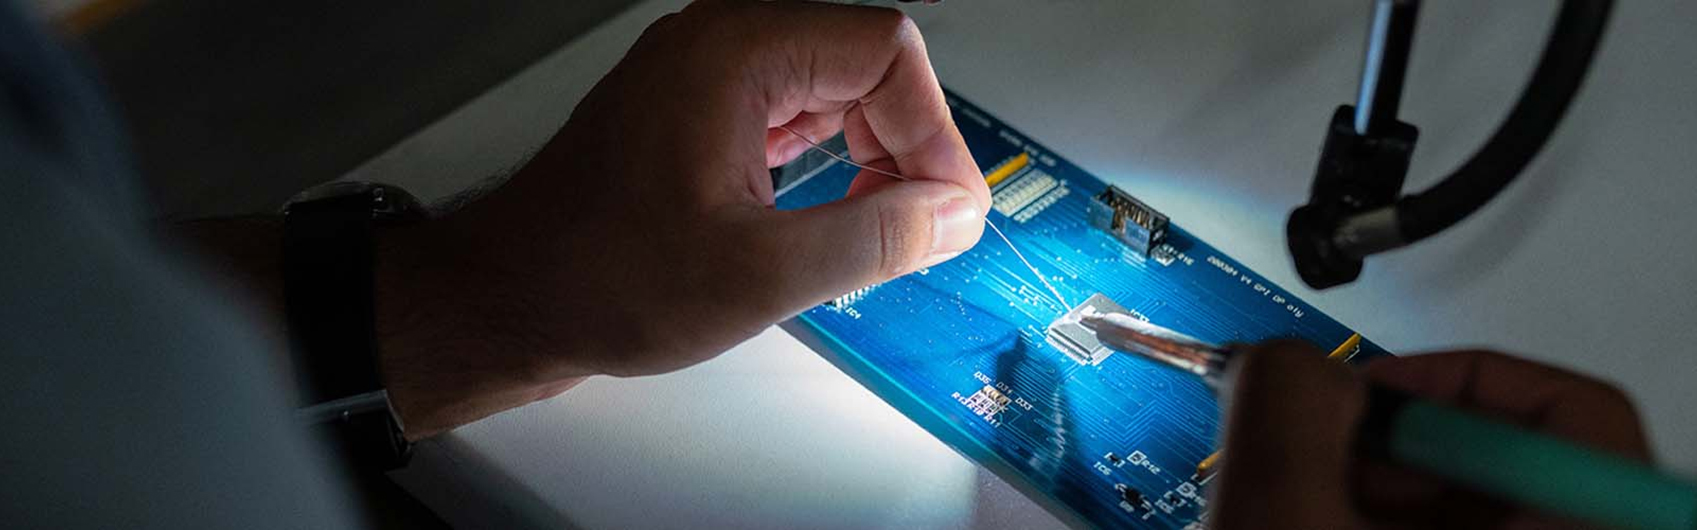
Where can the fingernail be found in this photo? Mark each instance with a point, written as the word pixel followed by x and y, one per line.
pixel 934 259
pixel 955 228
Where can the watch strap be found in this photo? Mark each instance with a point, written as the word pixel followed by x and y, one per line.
pixel 329 296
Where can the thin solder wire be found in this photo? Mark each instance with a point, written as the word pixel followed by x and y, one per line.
pixel 993 227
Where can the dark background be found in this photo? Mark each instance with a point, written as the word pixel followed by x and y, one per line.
pixel 234 105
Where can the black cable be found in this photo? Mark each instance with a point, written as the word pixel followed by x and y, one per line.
pixel 1567 56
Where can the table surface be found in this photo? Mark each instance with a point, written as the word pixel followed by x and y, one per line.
pixel 1213 112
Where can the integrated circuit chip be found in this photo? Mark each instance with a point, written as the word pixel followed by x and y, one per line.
pixel 971 351
pixel 1068 333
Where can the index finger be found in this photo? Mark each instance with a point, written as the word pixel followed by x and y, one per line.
pixel 812 57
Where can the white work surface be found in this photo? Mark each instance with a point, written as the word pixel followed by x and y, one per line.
pixel 1210 111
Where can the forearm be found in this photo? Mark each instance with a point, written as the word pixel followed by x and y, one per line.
pixel 454 343
pixel 643 238
pixel 435 332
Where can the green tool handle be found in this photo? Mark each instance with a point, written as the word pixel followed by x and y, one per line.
pixel 1550 474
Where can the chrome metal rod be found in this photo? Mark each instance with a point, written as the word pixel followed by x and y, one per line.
pixel 1389 38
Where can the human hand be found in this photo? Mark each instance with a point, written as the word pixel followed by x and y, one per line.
pixel 643 238
pixel 1289 460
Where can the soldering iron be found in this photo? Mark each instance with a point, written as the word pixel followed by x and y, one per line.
pixel 1483 454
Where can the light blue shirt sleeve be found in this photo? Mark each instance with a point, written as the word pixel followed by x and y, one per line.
pixel 132 394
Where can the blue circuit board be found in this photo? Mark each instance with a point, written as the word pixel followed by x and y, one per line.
pixel 960 347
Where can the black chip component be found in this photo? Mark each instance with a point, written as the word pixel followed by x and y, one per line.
pixel 1128 219
pixel 1130 495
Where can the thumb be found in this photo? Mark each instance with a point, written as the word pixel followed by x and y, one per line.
pixel 871 236
pixel 1289 438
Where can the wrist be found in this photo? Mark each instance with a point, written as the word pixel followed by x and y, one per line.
pixel 452 335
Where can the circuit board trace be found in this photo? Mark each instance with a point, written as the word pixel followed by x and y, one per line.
pixel 967 348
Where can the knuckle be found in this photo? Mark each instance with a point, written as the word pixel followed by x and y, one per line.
pixel 897 24
pixel 1608 395
pixel 886 23
pixel 720 19
pixel 660 25
pixel 903 239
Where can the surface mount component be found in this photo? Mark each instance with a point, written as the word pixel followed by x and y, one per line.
pixel 1130 496
pixel 1128 219
pixel 987 402
pixel 971 350
pixel 1070 336
pixel 1034 185
pixel 849 298
pixel 1006 169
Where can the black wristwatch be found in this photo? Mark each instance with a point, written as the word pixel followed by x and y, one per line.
pixel 328 282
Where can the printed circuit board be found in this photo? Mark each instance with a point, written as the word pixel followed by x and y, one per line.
pixel 965 350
